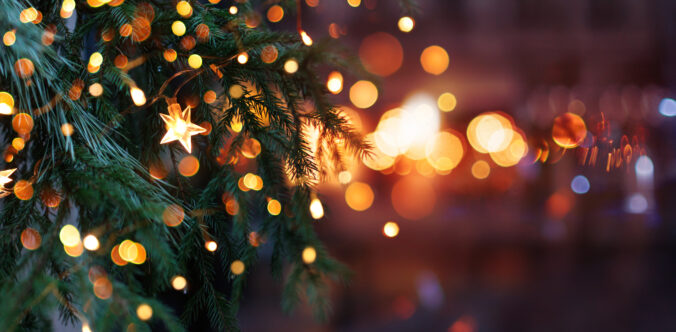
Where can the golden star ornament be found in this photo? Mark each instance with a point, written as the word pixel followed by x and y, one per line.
pixel 179 126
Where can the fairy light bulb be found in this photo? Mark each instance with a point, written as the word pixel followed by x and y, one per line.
pixel 242 58
pixel 195 61
pixel 178 28
pixel 316 209
pixel 406 24
pixel 291 66
pixel 90 242
pixel 137 96
pixel 306 38
pixel 96 59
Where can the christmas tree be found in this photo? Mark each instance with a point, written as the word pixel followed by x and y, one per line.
pixel 152 147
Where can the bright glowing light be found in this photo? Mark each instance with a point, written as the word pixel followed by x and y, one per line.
pixel 636 204
pixel 434 60
pixel 316 209
pixel 344 177
pixel 363 94
pixel 86 328
pixel 184 9
pixel 195 61
pixel 69 236
pixel 6 103
pixel 178 28
pixel 178 282
pixel 406 24
pixel 237 267
pixel 275 13
pixel 274 207
pixel 668 107
pixel 447 102
pixel 444 151
pixel 242 58
pixel 354 3
pixel 96 89
pixel 291 66
pixel 580 184
pixel 90 242
pixel 68 5
pixel 144 312
pixel 512 154
pixel 137 96
pixel 28 15
pixel 306 38
pixel 569 130
pixel 481 169
pixel 391 229
pixel 644 166
pixel 211 245
pixel 233 10
pixel 490 132
pixel 309 255
pixel 96 59
pixel 335 82
pixel 359 196
pixel 9 38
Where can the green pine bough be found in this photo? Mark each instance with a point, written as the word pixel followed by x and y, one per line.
pixel 85 130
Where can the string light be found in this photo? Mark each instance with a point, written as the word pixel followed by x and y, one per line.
pixel 144 312
pixel 195 61
pixel 178 282
pixel 309 255
pixel 9 38
pixel 179 126
pixel 178 28
pixel 90 242
pixel 237 267
pixel 137 96
pixel 335 82
pixel 391 229
pixel 305 38
pixel 184 9
pixel 233 10
pixel 291 66
pixel 69 236
pixel 316 209
pixel 406 24
pixel 6 103
pixel 243 57
pixel 274 207
pixel 211 245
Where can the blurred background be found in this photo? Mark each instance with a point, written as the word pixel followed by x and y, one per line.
pixel 523 169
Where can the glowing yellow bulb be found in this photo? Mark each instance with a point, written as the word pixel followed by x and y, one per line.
pixel 335 82
pixel 18 143
pixel 406 24
pixel 96 59
pixel 91 243
pixel 86 328
pixel 447 102
pixel 96 89
pixel 211 246
pixel 9 38
pixel 309 255
pixel 6 103
pixel 242 58
pixel 344 177
pixel 359 196
pixel 69 236
pixel 144 312
pixel 178 28
pixel 363 94
pixel 195 61
pixel 306 38
pixel 137 96
pixel 237 267
pixel 354 3
pixel 316 209
pixel 434 60
pixel 391 229
pixel 184 9
pixel 28 15
pixel 178 282
pixel 291 66
pixel 233 10
pixel 274 207
pixel 68 5
pixel 67 129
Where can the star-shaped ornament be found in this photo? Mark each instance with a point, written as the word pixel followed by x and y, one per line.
pixel 4 179
pixel 179 127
